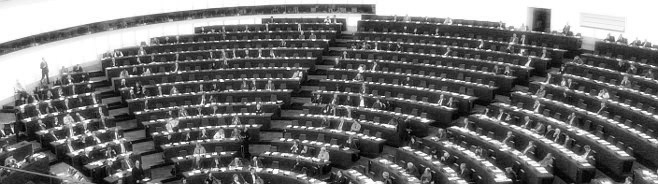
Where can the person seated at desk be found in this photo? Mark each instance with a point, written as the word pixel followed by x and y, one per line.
pixel 509 172
pixel 587 154
pixel 448 21
pixel 340 124
pixel 441 134
pixel 508 139
pixel 10 161
pixel 406 82
pixel 479 151
pixel 305 151
pixel 622 40
pixel 235 163
pixel 312 36
pixel 566 30
pixel 609 38
pixel 173 90
pixel 327 20
pixel 523 39
pixel 138 172
pixel 295 147
pixel 199 149
pixel 426 178
pixel 625 82
pixel 238 180
pixel 386 178
pixel 514 39
pixel 378 105
pixel 636 42
pixel 255 179
pixel 481 45
pixel 547 162
pixel 530 149
pixel 337 178
pixel 211 179
pixel 324 154
pixel 447 53
pixel 126 164
pixel 465 173
pixel 446 158
pixel 603 94
pixel 256 162
pixel 646 43
pixel 236 134
pixel 358 77
pixel 356 126
pixel 236 121
pixel 541 129
pixel 351 143
pixel 412 170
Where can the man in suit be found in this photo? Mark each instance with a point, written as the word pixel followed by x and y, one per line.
pixel 567 29
pixel 44 71
pixel 609 38
pixel 645 43
pixel 465 173
pixel 509 172
pixel 235 163
pixel 338 178
pixel 412 170
pixel 256 163
pixel 255 179
pixel 138 171
pixel 386 178
pixel 352 142
pixel 622 40
pixel 530 149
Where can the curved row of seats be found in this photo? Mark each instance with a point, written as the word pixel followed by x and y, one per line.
pixel 270 26
pixel 539 64
pixel 503 156
pixel 503 82
pixel 491 33
pixel 205 64
pixel 210 53
pixel 463 103
pixel 568 165
pixel 555 54
pixel 521 72
pixel 483 92
pixel 427 111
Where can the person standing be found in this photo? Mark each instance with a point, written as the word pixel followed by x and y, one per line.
pixel 44 71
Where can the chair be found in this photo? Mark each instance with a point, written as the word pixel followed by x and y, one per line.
pixel 219 149
pixel 302 136
pixel 320 138
pixel 275 164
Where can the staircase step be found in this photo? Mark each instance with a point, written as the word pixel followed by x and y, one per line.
pixel 96 74
pixel 279 124
pixel 310 88
pixel 111 100
pixel 291 113
pixel 316 77
pixel 118 112
pixel 301 100
pixel 142 148
pixel 324 67
pixel 134 134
